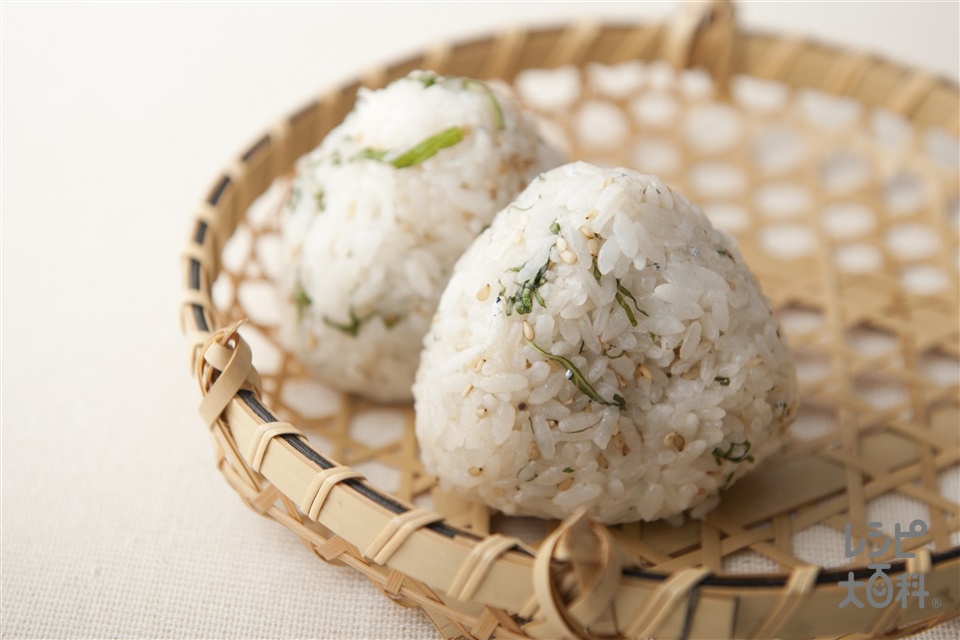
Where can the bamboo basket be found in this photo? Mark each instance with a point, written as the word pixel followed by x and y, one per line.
pixel 823 229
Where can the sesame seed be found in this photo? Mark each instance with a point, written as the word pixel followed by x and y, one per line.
pixel 562 244
pixel 566 484
pixel 534 451
pixel 483 293
pixel 586 232
pixel 475 471
pixel 602 461
pixel 466 390
pixel 643 372
pixel 568 256
pixel 674 440
pixel 593 246
pixel 480 411
pixel 528 331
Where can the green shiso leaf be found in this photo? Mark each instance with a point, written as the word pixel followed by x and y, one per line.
pixel 370 154
pixel 522 300
pixel 301 299
pixel 720 455
pixel 567 470
pixel 428 148
pixel 577 378
pixel 353 328
pixel 623 290
pixel 555 227
pixel 626 309
pixel 427 80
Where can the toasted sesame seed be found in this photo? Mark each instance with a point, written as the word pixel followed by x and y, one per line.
pixel 479 364
pixel 480 411
pixel 643 372
pixel 534 451
pixel 591 215
pixel 566 484
pixel 593 246
pixel 618 441
pixel 474 471
pixel 620 381
pixel 568 256
pixel 466 390
pixel 311 340
pixel 674 440
pixel 602 461
pixel 528 331
pixel 562 244
pixel 483 293
pixel 586 232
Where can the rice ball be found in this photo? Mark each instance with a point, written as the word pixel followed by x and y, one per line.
pixel 379 213
pixel 601 346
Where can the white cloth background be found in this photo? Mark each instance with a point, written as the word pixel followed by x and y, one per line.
pixel 115 120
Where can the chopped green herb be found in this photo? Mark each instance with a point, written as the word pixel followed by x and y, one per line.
pixel 301 299
pixel 568 470
pixel 294 196
pixel 370 154
pixel 724 253
pixel 623 290
pixel 513 206
pixel 428 148
pixel 353 328
pixel 620 355
pixel 626 309
pixel 319 197
pixel 727 480
pixel 427 80
pixel 596 271
pixel 555 227
pixel 497 109
pixel 522 300
pixel 719 454
pixel 724 382
pixel 574 376
pixel 653 336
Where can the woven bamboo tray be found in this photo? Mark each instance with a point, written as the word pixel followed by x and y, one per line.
pixel 836 172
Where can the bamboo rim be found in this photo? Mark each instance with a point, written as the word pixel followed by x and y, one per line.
pixel 494 586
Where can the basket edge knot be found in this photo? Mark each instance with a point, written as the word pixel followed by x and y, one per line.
pixel 224 367
pixel 593 564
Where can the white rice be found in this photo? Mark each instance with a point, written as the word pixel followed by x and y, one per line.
pixel 369 246
pixel 688 394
